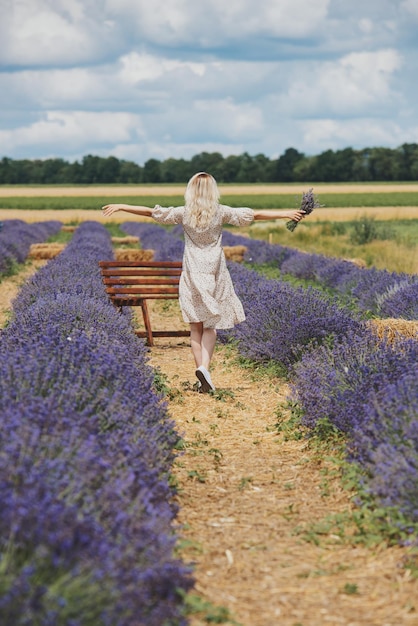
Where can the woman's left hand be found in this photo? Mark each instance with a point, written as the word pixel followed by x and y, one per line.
pixel 296 216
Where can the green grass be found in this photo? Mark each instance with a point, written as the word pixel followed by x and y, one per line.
pixel 403 231
pixel 270 270
pixel 115 230
pixel 61 236
pixel 261 201
pixel 368 523
pixel 208 612
pixel 393 245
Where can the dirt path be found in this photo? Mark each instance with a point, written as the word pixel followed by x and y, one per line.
pixel 9 287
pixel 243 492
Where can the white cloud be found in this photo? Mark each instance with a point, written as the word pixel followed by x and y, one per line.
pixel 57 129
pixel 174 77
pixel 411 6
pixel 204 121
pixel 40 89
pixel 209 23
pixel 224 118
pixel 42 33
pixel 327 134
pixel 141 152
pixel 346 87
pixel 69 32
pixel 366 26
pixel 136 68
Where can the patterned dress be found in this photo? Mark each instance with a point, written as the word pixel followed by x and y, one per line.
pixel 206 292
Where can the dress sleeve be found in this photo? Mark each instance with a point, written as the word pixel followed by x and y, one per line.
pixel 168 215
pixel 240 216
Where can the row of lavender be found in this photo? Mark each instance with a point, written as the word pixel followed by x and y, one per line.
pixel 341 373
pixel 86 450
pixel 16 237
pixel 382 293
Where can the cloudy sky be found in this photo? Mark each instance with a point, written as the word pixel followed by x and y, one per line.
pixel 142 79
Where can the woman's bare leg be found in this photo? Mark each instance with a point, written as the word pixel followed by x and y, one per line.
pixel 207 346
pixel 202 341
pixel 196 333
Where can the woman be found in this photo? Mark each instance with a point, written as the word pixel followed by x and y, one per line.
pixel 206 294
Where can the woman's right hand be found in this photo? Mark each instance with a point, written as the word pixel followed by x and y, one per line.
pixel 109 209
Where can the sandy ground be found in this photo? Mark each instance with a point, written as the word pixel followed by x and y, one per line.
pixel 244 490
pixel 79 215
pixel 9 287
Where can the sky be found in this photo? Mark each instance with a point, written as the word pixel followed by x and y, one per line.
pixel 141 79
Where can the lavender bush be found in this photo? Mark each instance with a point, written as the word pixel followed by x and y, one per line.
pixel 167 247
pixel 16 238
pixel 400 300
pixel 87 448
pixel 367 389
pixel 341 373
pixel 378 292
pixel 388 445
pixel 281 320
pixel 259 251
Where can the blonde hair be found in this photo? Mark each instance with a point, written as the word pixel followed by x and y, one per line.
pixel 202 200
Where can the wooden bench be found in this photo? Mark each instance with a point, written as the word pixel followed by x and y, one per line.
pixel 132 283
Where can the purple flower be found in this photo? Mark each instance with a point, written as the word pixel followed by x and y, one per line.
pixel 283 321
pixel 86 450
pixel 16 238
pixel 308 204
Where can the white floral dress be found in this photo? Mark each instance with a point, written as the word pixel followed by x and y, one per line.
pixel 206 292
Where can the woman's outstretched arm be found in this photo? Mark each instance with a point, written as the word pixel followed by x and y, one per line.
pixel 108 209
pixel 279 214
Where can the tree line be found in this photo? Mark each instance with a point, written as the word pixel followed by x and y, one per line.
pixel 346 165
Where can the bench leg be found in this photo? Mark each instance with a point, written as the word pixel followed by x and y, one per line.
pixel 147 323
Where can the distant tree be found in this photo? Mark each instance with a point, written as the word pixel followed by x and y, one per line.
pixel 108 170
pixel 151 172
pixel 90 172
pixel 211 162
pixel 26 172
pixel 283 169
pixel 407 158
pixel 304 168
pixel 50 171
pixel 344 161
pixel 129 172
pixel 231 167
pixel 8 172
pixel 75 173
pixel 176 171
pixel 360 168
pixel 249 171
pixel 377 164
pixel 324 170
pixel 383 165
pixel 264 168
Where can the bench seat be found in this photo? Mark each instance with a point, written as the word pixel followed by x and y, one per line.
pixel 132 283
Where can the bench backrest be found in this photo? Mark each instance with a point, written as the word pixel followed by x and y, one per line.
pixel 127 280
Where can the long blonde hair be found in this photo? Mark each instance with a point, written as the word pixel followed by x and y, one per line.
pixel 202 200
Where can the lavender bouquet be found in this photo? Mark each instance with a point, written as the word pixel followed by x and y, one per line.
pixel 308 204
